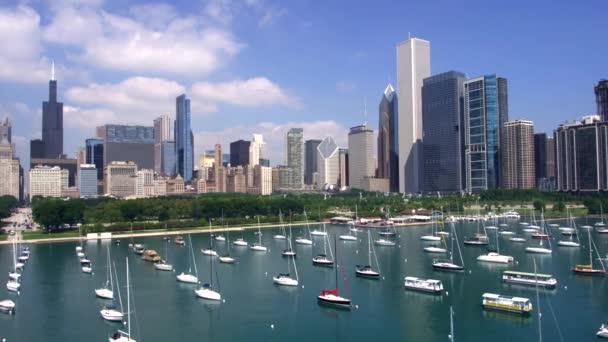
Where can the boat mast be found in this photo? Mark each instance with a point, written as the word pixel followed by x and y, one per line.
pixel 259 232
pixel 336 248
pixel 369 247
pixel 451 324
pixel 458 246
pixel 118 288
pixel 128 302
pixel 193 259
pixel 540 329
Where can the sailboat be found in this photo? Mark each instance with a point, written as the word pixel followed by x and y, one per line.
pixel 119 335
pixel 540 249
pixel 348 237
pixel 163 264
pixel 210 251
pixel 226 258
pixel 601 227
pixel 288 251
pixel 15 275
pixel 332 297
pixel 188 277
pixel 13 284
pixel 353 224
pixel 449 265
pixel 495 257
pixel 479 239
pixel 366 271
pixel 109 313
pixel 568 230
pixel 588 269
pixel 258 247
pixel 317 232
pixel 534 224
pixel 280 236
pixel 573 235
pixel 442 230
pixel 322 259
pixel 107 289
pixel 207 291
pixel 433 236
pixel 7 305
pixel 286 279
pixel 302 240
pixel 435 249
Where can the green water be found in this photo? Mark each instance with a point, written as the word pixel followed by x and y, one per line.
pixel 57 302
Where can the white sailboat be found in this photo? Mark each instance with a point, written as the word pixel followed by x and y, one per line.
pixel 573 240
pixel 540 249
pixel 288 251
pixel 13 284
pixel 7 305
pixel 600 226
pixel 317 232
pixel 125 336
pixel 226 258
pixel 109 313
pixel 207 291
pixel 285 279
pixel 240 242
pixel 496 257
pixel 435 249
pixel 348 237
pixel 433 236
pixel 367 271
pixel 302 240
pixel 106 291
pixel 189 277
pixel 322 259
pixel 210 251
pixel 163 264
pixel 258 247
pixel 280 236
pixel 449 265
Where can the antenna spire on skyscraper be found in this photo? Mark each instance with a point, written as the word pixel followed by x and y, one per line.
pixel 365 109
pixel 52 70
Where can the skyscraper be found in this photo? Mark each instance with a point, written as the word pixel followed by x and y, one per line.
pixel 120 178
pixel 442 123
pixel 94 155
pixel 5 131
pixel 361 163
pixel 343 167
pixel 239 153
pixel 328 163
pixel 388 158
pixel 544 160
pixel 294 153
pixel 167 158
pixel 310 160
pixel 485 104
pixel 128 143
pixel 87 181
pixel 601 99
pixel 52 122
pixel 581 151
pixel 518 155
pixel 256 149
pixel 162 133
pixel 183 139
pixel 413 65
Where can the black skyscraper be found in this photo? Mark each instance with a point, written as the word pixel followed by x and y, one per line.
pixel 310 160
pixel 239 153
pixel 52 123
pixel 601 99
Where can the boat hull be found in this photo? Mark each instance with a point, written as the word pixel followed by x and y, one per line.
pixel 538 250
pixel 303 242
pixel 163 267
pixel 505 309
pixel 423 289
pixel 568 244
pixel 446 266
pixel 336 302
pixel 285 281
pixel 104 293
pixel 435 250
pixel 112 315
pixel 187 278
pixel 208 294
pixel 348 238
pixel 227 260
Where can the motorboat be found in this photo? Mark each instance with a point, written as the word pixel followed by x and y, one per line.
pixel 495 258
pixel 603 331
pixel 179 240
pixel 423 285
pixel 14 276
pixel 7 305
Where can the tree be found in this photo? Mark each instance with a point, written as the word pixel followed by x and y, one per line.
pixel 129 210
pixel 538 205
pixel 559 206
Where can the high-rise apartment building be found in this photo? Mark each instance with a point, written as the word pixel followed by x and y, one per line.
pixel 518 155
pixel 184 144
pixel 128 143
pixel 442 127
pixel 256 147
pixel 601 99
pixel 344 171
pixel 485 111
pixel 294 156
pixel 235 180
pixel 413 66
pixel 310 160
pixel 47 181
pixel 239 153
pixel 10 173
pixel 87 181
pixel 544 161
pixel 120 178
pixel 361 163
pixel 388 157
pixel 262 179
pixel 581 150
pixel 163 133
pixel 328 163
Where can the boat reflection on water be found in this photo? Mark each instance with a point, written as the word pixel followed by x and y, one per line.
pixel 524 320
pixel 422 297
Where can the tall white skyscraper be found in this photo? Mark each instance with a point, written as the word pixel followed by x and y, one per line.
pixel 162 134
pixel 413 65
pixel 255 149
pixel 294 156
pixel 361 163
pixel 162 129
pixel 328 162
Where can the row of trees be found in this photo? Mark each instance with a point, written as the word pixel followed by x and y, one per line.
pixel 7 205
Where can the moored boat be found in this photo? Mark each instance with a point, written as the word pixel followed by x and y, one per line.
pixel 498 302
pixel 529 279
pixel 423 285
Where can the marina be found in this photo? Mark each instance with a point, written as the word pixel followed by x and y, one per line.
pixel 53 288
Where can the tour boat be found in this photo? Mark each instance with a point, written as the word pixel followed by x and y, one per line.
pixel 517 239
pixel 588 269
pixel 529 279
pixel 332 297
pixel 423 285
pixel 286 279
pixel 240 242
pixel 119 335
pixel 258 247
pixel 7 305
pixel 448 264
pixel 498 302
pixel 603 331
pixel 189 277
pixel 366 271
pixel 339 220
pixel 496 257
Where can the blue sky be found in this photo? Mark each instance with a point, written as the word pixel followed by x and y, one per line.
pixel 261 66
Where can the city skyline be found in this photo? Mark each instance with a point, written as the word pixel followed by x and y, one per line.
pixel 92 87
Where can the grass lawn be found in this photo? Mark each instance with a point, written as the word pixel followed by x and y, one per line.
pixel 44 235
pixel 3 237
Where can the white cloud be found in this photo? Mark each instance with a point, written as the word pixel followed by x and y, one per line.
pixel 258 91
pixel 274 136
pixel 161 43
pixel 87 119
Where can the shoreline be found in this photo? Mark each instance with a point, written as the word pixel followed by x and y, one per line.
pixel 201 230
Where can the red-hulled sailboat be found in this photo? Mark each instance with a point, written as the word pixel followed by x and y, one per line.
pixel 331 297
